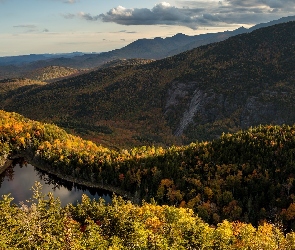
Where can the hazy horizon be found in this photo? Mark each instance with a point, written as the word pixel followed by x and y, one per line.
pixel 65 26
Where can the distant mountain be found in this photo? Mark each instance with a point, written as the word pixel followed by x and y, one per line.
pixel 10 71
pixel 281 20
pixel 52 73
pixel 157 48
pixel 244 81
pixel 125 62
pixel 8 86
pixel 18 60
pixel 55 73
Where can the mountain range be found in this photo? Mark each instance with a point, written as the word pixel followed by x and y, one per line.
pixel 243 81
pixel 157 48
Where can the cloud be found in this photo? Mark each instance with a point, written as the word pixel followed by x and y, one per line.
pixel 31 31
pixel 125 31
pixel 199 13
pixel 26 26
pixel 260 3
pixel 193 14
pixel 249 6
pixel 67 1
pixel 255 11
pixel 69 16
pixel 70 1
pixel 162 13
pixel 88 17
pixel 45 30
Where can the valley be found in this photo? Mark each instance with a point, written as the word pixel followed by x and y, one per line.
pixel 244 81
pixel 243 177
pixel 201 139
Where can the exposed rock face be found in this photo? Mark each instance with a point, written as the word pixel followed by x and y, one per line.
pixel 256 111
pixel 187 105
pixel 244 81
pixel 191 105
pixel 180 99
pixel 188 115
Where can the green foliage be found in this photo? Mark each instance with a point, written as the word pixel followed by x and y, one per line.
pixel 52 72
pixel 15 86
pixel 246 176
pixel 43 224
pixel 243 81
pixel 82 128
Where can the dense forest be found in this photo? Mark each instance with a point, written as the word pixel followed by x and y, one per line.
pixel 202 144
pixel 50 73
pixel 246 176
pixel 157 48
pixel 42 223
pixel 252 167
pixel 243 81
pixel 8 85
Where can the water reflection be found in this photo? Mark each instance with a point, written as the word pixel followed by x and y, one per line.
pixel 19 178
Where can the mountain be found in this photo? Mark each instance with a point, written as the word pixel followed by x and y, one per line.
pixel 8 85
pixel 246 176
pixel 203 196
pixel 157 48
pixel 125 62
pixel 196 95
pixel 22 59
pixel 52 73
pixel 278 21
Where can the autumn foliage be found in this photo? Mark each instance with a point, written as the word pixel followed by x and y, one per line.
pixel 42 223
pixel 247 176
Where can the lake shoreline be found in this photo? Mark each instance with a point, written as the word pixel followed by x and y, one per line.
pixel 46 168
pixel 5 162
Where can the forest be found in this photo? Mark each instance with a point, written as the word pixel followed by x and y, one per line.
pixel 244 179
pixel 243 81
pixel 226 181
pixel 42 223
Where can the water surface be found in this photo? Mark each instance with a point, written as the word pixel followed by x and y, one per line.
pixel 19 179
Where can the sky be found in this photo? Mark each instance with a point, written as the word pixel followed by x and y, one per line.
pixel 63 26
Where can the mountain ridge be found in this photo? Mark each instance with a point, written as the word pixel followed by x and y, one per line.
pixel 157 48
pixel 246 176
pixel 196 95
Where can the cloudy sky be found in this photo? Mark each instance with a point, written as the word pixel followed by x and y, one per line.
pixel 56 26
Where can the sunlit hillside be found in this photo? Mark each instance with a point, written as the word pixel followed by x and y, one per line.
pixel 247 176
pixel 52 73
pixel 228 183
pixel 243 81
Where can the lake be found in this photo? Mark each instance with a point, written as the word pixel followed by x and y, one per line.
pixel 19 178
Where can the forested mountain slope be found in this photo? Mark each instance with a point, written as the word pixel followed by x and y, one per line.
pixel 8 85
pixel 243 81
pixel 122 225
pixel 51 73
pixel 246 176
pixel 156 48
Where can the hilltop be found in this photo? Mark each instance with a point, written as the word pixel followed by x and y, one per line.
pixel 156 48
pixel 8 85
pixel 247 176
pixel 52 73
pixel 196 95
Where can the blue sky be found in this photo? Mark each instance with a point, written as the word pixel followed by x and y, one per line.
pixel 57 26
